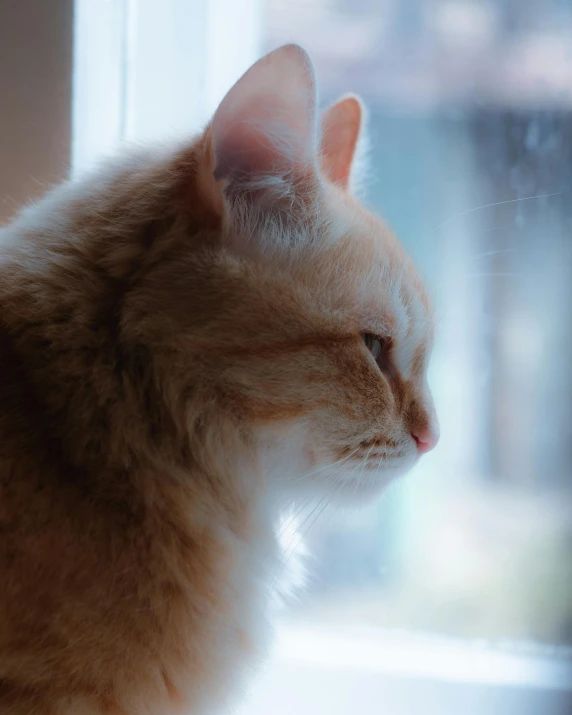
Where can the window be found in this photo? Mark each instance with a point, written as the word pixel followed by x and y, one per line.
pixel 454 591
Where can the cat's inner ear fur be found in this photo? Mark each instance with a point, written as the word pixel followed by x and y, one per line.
pixel 265 128
pixel 262 149
pixel 341 127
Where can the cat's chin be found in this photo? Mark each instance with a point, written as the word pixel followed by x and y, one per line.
pixel 362 485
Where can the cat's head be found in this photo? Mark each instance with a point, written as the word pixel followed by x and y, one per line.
pixel 314 324
pixel 269 302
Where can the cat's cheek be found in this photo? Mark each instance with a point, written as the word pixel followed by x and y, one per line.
pixel 286 454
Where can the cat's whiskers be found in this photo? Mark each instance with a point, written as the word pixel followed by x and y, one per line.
pixel 292 517
pixel 305 525
pixel 486 206
pixel 487 254
pixel 493 274
pixel 290 550
pixel 324 467
pixel 364 463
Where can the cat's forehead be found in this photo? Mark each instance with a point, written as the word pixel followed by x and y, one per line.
pixel 392 296
pixel 400 304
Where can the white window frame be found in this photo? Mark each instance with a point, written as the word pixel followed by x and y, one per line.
pixel 129 88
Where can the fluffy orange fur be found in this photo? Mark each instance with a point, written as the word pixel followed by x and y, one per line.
pixel 182 356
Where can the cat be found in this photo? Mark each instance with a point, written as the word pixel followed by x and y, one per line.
pixel 192 339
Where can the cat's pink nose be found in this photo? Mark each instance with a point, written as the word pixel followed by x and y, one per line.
pixel 426 438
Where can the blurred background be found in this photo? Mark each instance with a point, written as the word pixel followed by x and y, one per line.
pixel 470 134
pixel 461 574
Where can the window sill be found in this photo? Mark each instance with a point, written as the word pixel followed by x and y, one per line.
pixel 342 671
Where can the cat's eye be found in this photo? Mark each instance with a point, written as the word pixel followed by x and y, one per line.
pixel 374 344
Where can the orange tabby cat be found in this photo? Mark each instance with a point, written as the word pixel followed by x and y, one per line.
pixel 191 340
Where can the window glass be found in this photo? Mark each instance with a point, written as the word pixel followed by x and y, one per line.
pixel 470 161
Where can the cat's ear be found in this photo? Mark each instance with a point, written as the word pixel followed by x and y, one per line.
pixel 265 127
pixel 341 127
